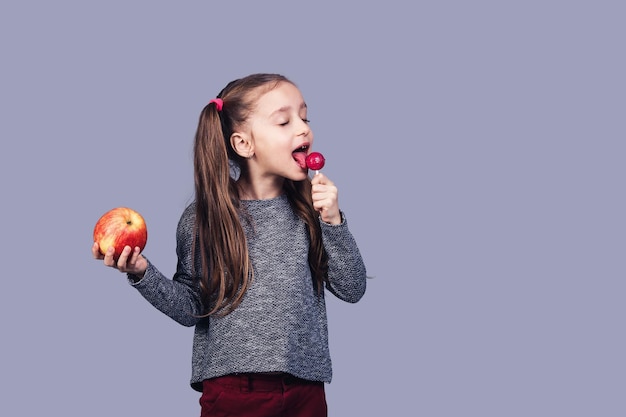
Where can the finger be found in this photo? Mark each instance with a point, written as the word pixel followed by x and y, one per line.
pixel 123 259
pixel 108 256
pixel 323 205
pixel 321 179
pixel 95 251
pixel 325 193
pixel 134 256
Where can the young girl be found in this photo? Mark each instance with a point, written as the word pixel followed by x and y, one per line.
pixel 256 249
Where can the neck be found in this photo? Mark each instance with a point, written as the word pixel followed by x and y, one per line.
pixel 260 189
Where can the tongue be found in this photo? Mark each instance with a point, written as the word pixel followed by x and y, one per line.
pixel 300 158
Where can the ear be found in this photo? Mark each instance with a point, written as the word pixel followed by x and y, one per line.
pixel 242 144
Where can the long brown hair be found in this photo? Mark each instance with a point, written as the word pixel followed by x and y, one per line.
pixel 220 240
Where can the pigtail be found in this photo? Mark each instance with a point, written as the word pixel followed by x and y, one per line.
pixel 220 240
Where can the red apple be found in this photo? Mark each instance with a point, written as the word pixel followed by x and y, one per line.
pixel 120 227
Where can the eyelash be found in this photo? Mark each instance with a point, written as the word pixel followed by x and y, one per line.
pixel 307 121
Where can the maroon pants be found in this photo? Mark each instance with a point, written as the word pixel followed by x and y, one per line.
pixel 262 395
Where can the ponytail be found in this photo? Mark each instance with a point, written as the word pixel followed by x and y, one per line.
pixel 220 240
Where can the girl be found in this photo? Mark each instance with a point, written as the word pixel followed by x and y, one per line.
pixel 256 249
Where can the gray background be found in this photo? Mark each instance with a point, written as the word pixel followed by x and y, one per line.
pixel 478 148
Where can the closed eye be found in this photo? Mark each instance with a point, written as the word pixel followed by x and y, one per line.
pixel 307 121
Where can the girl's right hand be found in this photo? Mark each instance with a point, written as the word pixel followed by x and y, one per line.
pixel 129 262
pixel 324 194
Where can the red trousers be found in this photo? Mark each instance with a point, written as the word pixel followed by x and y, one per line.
pixel 262 395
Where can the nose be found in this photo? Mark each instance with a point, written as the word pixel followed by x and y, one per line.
pixel 303 128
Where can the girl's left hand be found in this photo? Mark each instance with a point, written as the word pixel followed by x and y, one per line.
pixel 129 262
pixel 325 199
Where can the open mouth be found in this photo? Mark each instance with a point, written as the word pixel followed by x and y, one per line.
pixel 299 155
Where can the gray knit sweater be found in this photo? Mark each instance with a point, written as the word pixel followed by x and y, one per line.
pixel 281 323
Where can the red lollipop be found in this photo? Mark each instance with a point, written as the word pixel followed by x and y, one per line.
pixel 315 160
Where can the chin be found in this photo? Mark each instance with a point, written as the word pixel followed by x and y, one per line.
pixel 300 177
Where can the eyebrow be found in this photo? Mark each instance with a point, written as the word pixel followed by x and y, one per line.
pixel 286 108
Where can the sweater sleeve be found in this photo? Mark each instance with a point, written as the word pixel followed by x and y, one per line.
pixel 346 270
pixel 179 297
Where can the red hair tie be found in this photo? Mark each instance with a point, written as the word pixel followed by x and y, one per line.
pixel 219 103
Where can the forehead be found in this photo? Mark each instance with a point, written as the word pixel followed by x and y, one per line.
pixel 284 97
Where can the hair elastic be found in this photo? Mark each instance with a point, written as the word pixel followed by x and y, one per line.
pixel 219 103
